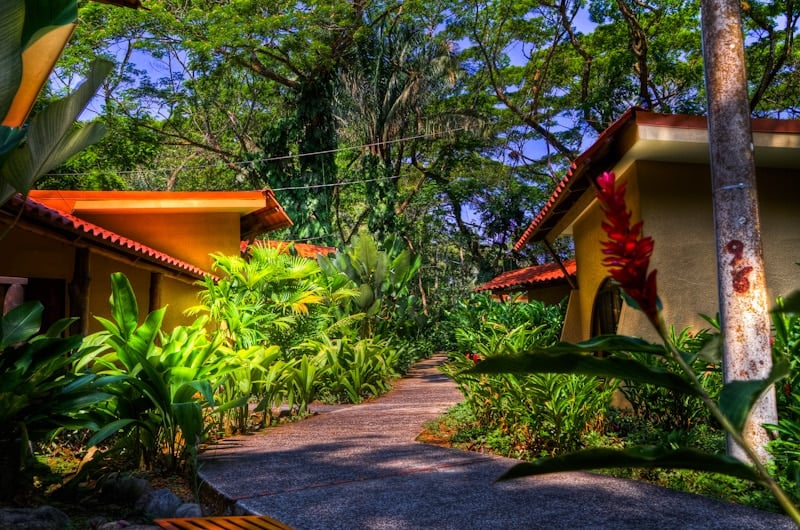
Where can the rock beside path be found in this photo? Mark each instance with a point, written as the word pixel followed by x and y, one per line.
pixel 41 518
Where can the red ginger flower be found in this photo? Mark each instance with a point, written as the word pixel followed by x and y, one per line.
pixel 627 252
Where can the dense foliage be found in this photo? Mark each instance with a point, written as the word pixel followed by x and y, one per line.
pixel 274 333
pixel 442 126
pixel 665 383
pixel 522 415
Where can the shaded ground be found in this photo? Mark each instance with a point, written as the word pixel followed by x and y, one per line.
pixel 359 467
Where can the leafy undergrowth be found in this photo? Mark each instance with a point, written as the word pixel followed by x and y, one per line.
pixel 457 428
pixel 59 481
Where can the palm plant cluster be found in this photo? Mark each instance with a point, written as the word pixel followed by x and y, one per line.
pixel 521 415
pixel 274 333
pixel 551 402
pixel 558 406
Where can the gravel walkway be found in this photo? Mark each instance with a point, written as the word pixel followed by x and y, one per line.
pixel 359 467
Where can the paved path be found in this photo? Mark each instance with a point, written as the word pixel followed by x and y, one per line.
pixel 358 467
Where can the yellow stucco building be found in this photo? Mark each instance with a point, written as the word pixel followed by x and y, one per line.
pixel 664 161
pixel 60 247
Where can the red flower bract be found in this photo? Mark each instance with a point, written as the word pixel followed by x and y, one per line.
pixel 627 252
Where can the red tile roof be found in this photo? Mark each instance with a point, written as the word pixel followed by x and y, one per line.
pixel 607 150
pixel 304 250
pixel 572 186
pixel 536 276
pixel 35 213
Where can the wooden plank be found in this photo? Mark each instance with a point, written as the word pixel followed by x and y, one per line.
pixel 239 522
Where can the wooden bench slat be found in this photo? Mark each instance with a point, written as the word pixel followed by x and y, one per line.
pixel 239 522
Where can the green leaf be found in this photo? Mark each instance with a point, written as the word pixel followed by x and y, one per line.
pixel 11 26
pixel 189 417
pixel 60 326
pixel 9 139
pixel 607 343
pixel 107 431
pixel 790 304
pixel 738 397
pixel 232 404
pixel 712 349
pixel 50 138
pixel 582 363
pixel 42 16
pixel 49 128
pixel 645 457
pixel 124 308
pixel 20 324
pixel 366 296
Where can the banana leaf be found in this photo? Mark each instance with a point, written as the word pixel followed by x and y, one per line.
pixel 643 457
pixel 738 397
pixel 585 364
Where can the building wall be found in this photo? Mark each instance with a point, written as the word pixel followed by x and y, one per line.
pixel 677 212
pixel 100 270
pixel 779 199
pixel 188 237
pixel 587 234
pixel 674 200
pixel 177 295
pixel 572 330
pixel 27 254
pixel 550 295
pixel 30 255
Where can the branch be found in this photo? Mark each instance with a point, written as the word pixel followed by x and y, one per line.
pixel 638 44
pixel 775 61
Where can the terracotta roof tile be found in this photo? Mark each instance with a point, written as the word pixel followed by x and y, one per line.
pixel 604 152
pixel 536 276
pixel 304 250
pixel 572 186
pixel 35 211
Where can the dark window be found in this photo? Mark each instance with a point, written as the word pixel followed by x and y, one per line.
pixel 606 309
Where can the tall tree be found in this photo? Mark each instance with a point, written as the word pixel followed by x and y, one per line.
pixel 322 100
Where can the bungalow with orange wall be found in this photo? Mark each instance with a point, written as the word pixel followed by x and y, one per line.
pixel 60 247
pixel 549 283
pixel 664 161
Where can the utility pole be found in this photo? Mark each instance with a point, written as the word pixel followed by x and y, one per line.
pixel 744 313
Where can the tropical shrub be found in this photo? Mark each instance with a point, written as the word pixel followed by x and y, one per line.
pixel 786 345
pixel 355 369
pixel 272 298
pixel 628 257
pixel 482 320
pixel 664 410
pixel 38 392
pixel 528 415
pixel 382 279
pixel 295 330
pixel 273 387
pixel 163 381
pixel 305 380
pixel 786 448
pixel 249 374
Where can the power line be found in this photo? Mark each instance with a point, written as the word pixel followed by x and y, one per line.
pixel 334 184
pixel 274 158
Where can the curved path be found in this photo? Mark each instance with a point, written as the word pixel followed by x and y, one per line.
pixel 359 467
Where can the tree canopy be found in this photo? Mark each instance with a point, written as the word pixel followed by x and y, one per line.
pixel 446 126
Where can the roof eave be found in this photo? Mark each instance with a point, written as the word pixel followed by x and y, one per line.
pixel 37 217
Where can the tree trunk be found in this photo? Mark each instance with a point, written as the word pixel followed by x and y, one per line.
pixel 744 314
